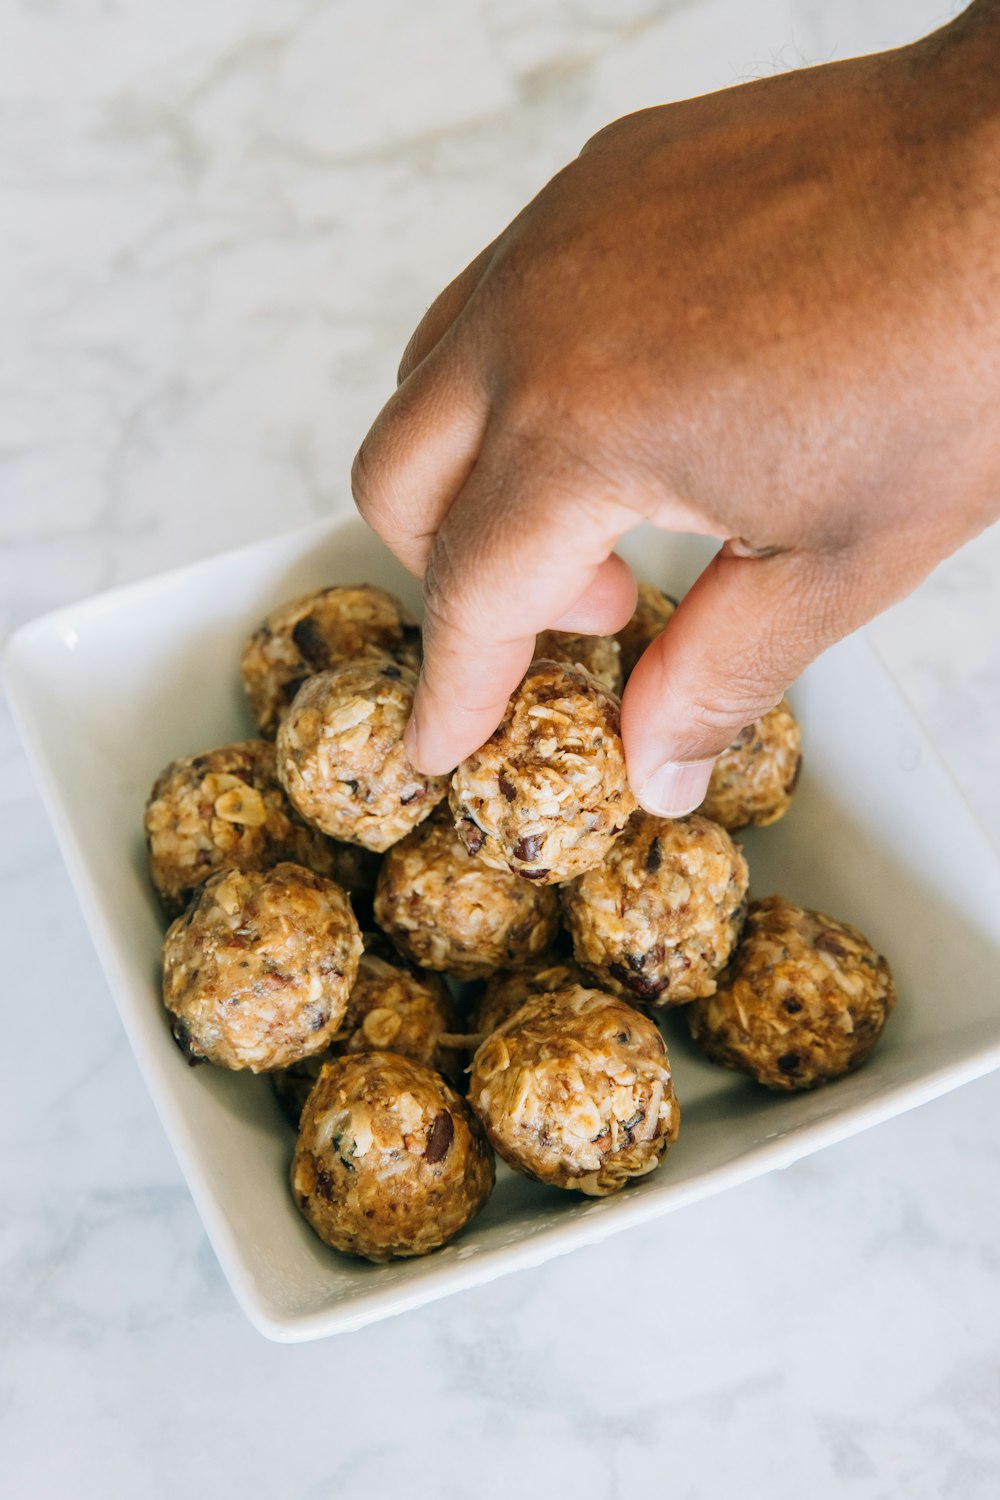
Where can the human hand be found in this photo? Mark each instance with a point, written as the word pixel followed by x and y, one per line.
pixel 768 316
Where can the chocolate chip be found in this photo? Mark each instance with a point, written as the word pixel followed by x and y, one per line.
pixel 439 1138
pixel 654 858
pixel 529 847
pixel 291 687
pixel 793 1006
pixel 325 1185
pixel 639 984
pixel 472 836
pixel 392 672
pixel 311 642
pixel 827 943
pixel 508 789
pixel 182 1036
pixel 533 874
pixel 789 1062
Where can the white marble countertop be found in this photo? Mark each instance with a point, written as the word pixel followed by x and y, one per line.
pixel 220 222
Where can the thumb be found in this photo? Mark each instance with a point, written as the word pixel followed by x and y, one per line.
pixel 739 637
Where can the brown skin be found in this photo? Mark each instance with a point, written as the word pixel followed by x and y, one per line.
pixel 768 316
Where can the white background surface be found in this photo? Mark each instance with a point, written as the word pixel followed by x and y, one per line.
pixel 220 223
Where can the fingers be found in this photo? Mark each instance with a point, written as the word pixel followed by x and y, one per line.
pixel 420 451
pixel 517 550
pixel 606 605
pixel 442 313
pixel 738 639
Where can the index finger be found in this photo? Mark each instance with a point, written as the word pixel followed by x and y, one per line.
pixel 520 545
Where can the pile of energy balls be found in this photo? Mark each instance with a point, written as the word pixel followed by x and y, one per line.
pixel 530 877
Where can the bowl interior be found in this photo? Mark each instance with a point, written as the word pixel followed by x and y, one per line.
pixel 108 691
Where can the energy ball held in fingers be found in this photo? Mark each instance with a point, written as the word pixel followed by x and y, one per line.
pixel 652 613
pixel 600 655
pixel 547 795
pixel 803 1002
pixel 258 970
pixel 574 1089
pixel 319 631
pixel 753 781
pixel 505 992
pixel 341 757
pixel 226 809
pixel 448 911
pixel 390 1009
pixel 660 917
pixel 390 1161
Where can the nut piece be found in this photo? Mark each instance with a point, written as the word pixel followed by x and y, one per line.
pixel 547 795
pixel 506 992
pixel 448 911
pixel 390 1009
pixel 804 1000
pixel 390 1161
pixel 575 1090
pixel 652 612
pixel 226 809
pixel 341 756
pixel 316 632
pixel 257 972
pixel 600 655
pixel 754 779
pixel 660 918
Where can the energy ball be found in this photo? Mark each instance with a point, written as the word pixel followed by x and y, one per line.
pixel 226 809
pixel 316 632
pixel 753 781
pixel 804 1000
pixel 575 1090
pixel 600 655
pixel 341 756
pixel 506 992
pixel 390 1009
pixel 390 1161
pixel 547 795
pixel 258 970
pixel 448 911
pixel 652 612
pixel 660 918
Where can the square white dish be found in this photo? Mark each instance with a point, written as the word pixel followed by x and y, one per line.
pixel 107 691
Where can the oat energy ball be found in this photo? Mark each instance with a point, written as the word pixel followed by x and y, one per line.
pixel 547 796
pixel 575 1090
pixel 316 632
pixel 506 992
pixel 600 655
pixel 660 918
pixel 226 809
pixel 803 1001
pixel 258 970
pixel 390 1161
pixel 753 781
pixel 448 911
pixel 341 756
pixel 652 612
pixel 390 1009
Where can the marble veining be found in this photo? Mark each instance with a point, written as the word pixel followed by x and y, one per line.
pixel 220 224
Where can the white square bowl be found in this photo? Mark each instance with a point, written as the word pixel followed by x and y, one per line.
pixel 106 692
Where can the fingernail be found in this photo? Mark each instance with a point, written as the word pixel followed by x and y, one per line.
pixel 676 787
pixel 411 740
